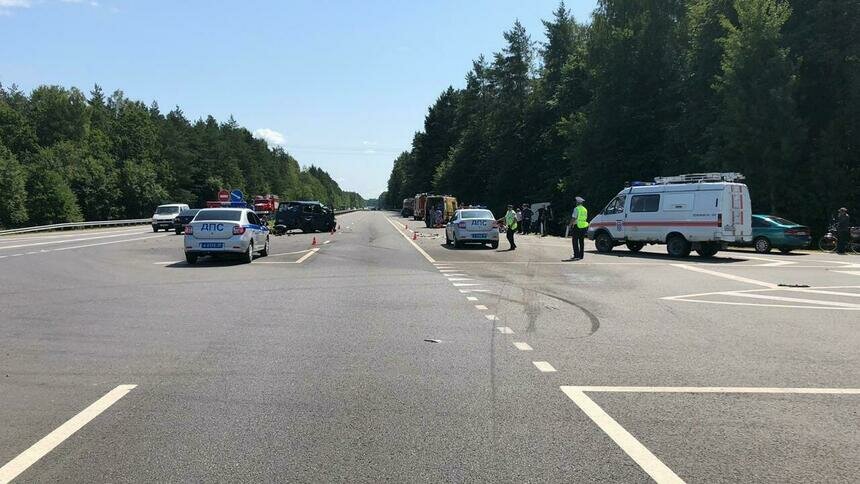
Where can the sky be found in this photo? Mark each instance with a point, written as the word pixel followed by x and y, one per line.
pixel 343 85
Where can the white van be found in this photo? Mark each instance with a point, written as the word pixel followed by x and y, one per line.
pixel 164 215
pixel 700 211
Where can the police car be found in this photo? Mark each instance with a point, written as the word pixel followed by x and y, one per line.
pixel 474 226
pixel 219 231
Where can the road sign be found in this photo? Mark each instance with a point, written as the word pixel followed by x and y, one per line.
pixel 223 195
pixel 236 196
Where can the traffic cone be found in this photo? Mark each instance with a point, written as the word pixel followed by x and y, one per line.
pixel 414 235
pixel 314 242
pixel 332 231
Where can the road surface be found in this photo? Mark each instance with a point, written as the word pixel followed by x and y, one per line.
pixel 372 357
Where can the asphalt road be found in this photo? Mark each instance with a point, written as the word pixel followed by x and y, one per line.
pixel 315 366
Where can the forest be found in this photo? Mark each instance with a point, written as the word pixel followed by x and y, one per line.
pixel 645 88
pixel 66 156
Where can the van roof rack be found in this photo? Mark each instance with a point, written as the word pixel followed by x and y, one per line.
pixel 699 178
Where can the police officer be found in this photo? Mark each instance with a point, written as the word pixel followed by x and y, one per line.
pixel 510 221
pixel 579 224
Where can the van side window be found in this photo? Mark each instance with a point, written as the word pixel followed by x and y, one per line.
pixel 615 206
pixel 645 203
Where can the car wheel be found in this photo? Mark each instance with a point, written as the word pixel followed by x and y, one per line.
pixel 177 231
pixel 447 239
pixel 635 246
pixel 785 251
pixel 154 228
pixel 762 245
pixel 457 243
pixel 265 251
pixel 190 258
pixel 604 243
pixel 708 249
pixel 677 246
pixel 248 256
pixel 494 245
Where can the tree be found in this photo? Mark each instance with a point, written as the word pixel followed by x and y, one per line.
pixel 51 199
pixel 13 186
pixel 758 127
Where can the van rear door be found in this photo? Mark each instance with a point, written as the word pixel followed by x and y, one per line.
pixel 736 213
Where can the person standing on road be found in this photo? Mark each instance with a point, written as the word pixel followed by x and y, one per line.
pixel 579 224
pixel 843 230
pixel 527 219
pixel 510 221
pixel 519 219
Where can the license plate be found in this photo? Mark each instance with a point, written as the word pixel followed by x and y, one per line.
pixel 211 245
pixel 479 236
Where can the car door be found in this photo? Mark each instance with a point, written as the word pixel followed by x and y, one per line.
pixel 254 222
pixel 613 217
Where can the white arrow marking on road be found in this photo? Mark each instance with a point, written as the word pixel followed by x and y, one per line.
pixel 49 442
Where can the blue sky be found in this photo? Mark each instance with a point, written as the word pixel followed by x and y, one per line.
pixel 343 85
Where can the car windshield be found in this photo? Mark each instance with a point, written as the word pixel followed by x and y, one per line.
pixel 226 215
pixel 188 213
pixel 167 210
pixel 466 214
pixel 780 220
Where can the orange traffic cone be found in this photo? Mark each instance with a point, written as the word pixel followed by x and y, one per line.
pixel 314 242
pixel 414 235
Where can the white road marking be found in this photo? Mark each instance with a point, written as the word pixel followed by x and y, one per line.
pixel 327 242
pixel 638 452
pixel 165 263
pixel 459 279
pixel 465 284
pixel 807 391
pixel 796 300
pixel 466 291
pixel 491 317
pixel 38 450
pixel 726 276
pixel 73 233
pixel 853 273
pixel 52 242
pixel 522 346
pixel 454 275
pixel 543 366
pixel 419 249
pixel 471 298
pixel 308 255
pixel 289 253
pixel 480 307
pixel 771 262
pixel 505 330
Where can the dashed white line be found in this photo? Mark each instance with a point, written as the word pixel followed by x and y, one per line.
pixel 38 450
pixel 505 330
pixel 480 307
pixel 852 273
pixel 464 284
pixel 522 346
pixel 467 291
pixel 543 366
pixel 471 298
pixel 491 317
pixel 460 279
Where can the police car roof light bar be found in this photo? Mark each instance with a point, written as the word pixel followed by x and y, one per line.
pixel 699 178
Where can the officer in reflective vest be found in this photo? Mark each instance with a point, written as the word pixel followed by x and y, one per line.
pixel 510 221
pixel 579 224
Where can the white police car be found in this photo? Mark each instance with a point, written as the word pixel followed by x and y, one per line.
pixel 474 226
pixel 218 231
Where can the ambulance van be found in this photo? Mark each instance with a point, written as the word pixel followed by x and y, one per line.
pixel 700 211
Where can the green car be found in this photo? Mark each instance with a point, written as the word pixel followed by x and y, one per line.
pixel 770 231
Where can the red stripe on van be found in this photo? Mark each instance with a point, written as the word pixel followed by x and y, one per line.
pixel 662 223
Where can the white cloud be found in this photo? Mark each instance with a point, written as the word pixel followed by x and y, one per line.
pixel 6 6
pixel 270 136
pixel 369 143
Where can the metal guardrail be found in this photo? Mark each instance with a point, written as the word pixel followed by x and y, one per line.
pixel 76 225
pixel 100 223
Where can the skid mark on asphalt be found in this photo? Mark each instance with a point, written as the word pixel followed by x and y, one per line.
pixel 640 454
pixel 38 450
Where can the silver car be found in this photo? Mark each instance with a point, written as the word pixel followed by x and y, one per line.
pixel 219 231
pixel 472 226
